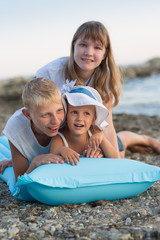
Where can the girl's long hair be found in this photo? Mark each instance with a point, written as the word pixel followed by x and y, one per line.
pixel 106 76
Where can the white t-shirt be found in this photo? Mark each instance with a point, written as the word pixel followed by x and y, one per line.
pixel 55 71
pixel 19 132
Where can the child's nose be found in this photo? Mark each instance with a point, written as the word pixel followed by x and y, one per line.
pixel 89 51
pixel 55 120
pixel 79 116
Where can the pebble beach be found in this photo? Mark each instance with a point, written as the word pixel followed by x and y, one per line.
pixel 133 218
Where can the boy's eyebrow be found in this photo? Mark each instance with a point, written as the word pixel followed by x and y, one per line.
pixel 44 113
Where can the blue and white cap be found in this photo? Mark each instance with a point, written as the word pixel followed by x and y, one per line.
pixel 85 95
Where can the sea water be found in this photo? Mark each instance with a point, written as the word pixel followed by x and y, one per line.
pixel 140 96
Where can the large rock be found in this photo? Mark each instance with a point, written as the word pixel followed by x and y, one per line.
pixel 142 70
pixel 12 89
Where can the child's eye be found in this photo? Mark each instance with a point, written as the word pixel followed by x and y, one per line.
pixel 82 44
pixel 86 113
pixel 45 115
pixel 60 110
pixel 99 48
pixel 74 112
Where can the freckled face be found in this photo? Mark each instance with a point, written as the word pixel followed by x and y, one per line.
pixel 88 54
pixel 47 119
pixel 80 119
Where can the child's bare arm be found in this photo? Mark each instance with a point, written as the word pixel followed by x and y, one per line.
pixel 108 149
pixel 57 147
pixel 21 164
pixel 56 143
pixel 110 132
pixel 98 140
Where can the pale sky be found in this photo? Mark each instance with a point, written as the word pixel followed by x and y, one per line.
pixel 34 32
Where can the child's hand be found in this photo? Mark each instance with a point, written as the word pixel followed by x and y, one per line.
pixel 46 159
pixel 69 155
pixel 4 164
pixel 89 152
pixel 95 140
pixel 93 149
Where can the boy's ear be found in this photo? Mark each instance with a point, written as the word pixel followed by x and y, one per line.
pixel 26 113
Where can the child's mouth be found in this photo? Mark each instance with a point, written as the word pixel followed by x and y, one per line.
pixel 78 125
pixel 87 60
pixel 53 130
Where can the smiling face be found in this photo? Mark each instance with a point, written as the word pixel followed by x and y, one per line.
pixel 88 55
pixel 80 119
pixel 46 119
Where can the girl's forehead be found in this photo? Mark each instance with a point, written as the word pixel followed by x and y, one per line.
pixel 93 34
pixel 83 107
pixel 96 41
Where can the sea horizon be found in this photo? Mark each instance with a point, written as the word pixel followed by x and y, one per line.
pixel 140 96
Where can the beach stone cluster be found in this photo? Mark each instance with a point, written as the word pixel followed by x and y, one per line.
pixel 133 218
pixel 125 219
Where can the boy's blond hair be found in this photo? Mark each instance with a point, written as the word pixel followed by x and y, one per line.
pixel 40 91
